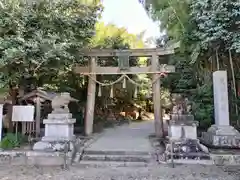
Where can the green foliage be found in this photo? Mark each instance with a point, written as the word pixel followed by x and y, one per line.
pixel 110 36
pixel 184 79
pixel 206 30
pixel 173 15
pixel 217 22
pixel 202 105
pixel 199 24
pixel 10 141
pixel 185 82
pixel 42 39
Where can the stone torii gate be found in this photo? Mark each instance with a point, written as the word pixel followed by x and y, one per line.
pixel 155 69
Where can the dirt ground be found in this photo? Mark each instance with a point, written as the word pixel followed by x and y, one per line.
pixel 160 172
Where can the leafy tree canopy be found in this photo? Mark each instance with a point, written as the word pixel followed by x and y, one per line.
pixel 110 36
pixel 42 39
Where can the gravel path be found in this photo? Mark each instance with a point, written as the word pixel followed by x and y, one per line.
pixel 181 172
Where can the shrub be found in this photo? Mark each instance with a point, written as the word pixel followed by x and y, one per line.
pixel 10 141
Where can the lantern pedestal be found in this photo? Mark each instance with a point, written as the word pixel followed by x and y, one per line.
pixel 58 130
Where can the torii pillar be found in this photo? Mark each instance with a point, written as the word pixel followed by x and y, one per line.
pixel 156 88
pixel 89 111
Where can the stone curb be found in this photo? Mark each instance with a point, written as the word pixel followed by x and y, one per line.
pixel 226 159
pixel 35 157
pixel 215 159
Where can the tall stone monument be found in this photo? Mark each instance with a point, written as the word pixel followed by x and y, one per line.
pixel 59 126
pixel 221 134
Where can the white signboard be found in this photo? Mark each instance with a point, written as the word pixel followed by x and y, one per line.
pixel 23 113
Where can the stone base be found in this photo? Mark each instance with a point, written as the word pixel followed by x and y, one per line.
pixel 53 146
pixel 187 149
pixel 222 137
pixel 58 139
pixel 58 132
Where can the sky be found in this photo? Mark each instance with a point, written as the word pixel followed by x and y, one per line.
pixel 131 15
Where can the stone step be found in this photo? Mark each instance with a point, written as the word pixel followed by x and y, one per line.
pixel 96 164
pixel 57 159
pixel 107 152
pixel 191 161
pixel 117 158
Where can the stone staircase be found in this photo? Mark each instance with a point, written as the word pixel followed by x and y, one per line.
pixel 90 158
pixel 114 158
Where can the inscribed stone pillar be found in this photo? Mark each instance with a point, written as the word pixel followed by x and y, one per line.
pixel 221 134
pixel 90 99
pixel 220 91
pixel 157 98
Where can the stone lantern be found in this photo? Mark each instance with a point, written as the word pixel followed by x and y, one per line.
pixel 59 126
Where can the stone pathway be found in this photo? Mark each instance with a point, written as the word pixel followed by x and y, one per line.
pixel 161 172
pixel 126 138
pixel 129 138
pixel 126 145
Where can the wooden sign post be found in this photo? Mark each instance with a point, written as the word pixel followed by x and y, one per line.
pixel 22 114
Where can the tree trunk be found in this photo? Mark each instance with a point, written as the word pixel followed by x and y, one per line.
pixel 234 83
pixel 217 59
pixel 13 99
